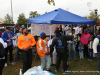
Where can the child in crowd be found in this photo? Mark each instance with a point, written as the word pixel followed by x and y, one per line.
pixel 90 49
pixel 81 49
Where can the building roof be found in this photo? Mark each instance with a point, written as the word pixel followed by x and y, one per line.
pixel 1 20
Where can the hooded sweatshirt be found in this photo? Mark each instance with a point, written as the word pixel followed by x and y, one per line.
pixel 85 38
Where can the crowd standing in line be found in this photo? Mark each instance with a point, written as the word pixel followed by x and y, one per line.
pixel 80 38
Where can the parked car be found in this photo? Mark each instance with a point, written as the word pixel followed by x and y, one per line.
pixel 1 30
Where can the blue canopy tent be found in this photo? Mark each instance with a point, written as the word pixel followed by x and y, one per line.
pixel 60 16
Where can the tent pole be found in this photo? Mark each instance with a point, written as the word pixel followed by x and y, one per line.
pixel 27 25
pixel 50 31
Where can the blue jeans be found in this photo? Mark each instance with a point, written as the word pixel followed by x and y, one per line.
pixel 91 54
pixel 73 46
pixel 18 50
pixel 48 59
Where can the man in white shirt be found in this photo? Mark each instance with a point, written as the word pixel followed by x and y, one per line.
pixel 96 48
pixel 72 44
pixel 54 52
pixel 67 30
pixel 76 29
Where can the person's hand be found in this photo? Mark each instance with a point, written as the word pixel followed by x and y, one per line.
pixel 13 38
pixel 25 49
pixel 73 41
pixel 8 40
pixel 28 47
pixel 48 53
pixel 14 47
pixel 95 55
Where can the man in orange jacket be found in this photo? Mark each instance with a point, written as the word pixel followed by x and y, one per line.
pixel 25 43
pixel 43 51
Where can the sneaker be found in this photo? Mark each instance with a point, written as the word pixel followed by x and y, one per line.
pixel 82 58
pixel 5 64
pixel 91 60
pixel 49 70
pixel 99 72
pixel 12 63
pixel 65 72
pixel 56 70
pixel 53 64
pixel 75 60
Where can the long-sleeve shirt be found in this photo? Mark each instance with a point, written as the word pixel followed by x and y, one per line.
pixel 25 41
pixel 4 43
pixel 95 44
pixel 42 47
pixel 75 38
pixel 90 45
pixel 67 30
pixel 76 30
pixel 85 38
pixel 18 34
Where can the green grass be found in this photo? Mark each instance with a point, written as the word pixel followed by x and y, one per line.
pixel 80 65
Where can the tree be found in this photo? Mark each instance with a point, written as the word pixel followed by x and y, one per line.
pixel 33 14
pixel 46 12
pixel 94 17
pixel 51 1
pixel 22 19
pixel 8 19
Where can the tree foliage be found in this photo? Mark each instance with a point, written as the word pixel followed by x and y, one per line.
pixel 33 14
pixel 51 1
pixel 46 12
pixel 22 19
pixel 94 17
pixel 8 19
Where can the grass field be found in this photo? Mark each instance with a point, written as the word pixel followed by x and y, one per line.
pixel 79 65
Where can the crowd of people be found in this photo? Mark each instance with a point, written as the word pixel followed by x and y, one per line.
pixel 80 38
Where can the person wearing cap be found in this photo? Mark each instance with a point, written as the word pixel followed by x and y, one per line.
pixel 85 39
pixel 25 43
pixel 7 36
pixel 96 48
pixel 54 52
pixel 43 51
pixel 61 48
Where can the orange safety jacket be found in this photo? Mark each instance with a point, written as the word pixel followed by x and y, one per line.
pixel 41 48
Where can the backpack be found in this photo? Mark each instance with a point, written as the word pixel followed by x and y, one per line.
pixel 2 50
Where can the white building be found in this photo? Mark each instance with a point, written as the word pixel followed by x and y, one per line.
pixel 1 21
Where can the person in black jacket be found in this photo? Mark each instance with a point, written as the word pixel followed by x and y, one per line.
pixel 61 48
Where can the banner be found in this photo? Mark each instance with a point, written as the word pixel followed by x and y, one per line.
pixel 36 29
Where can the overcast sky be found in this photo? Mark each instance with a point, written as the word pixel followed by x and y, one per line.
pixel 78 7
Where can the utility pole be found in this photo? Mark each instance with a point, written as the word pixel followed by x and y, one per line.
pixel 11 11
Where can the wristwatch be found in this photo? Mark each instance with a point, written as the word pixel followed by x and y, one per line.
pixel 23 48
